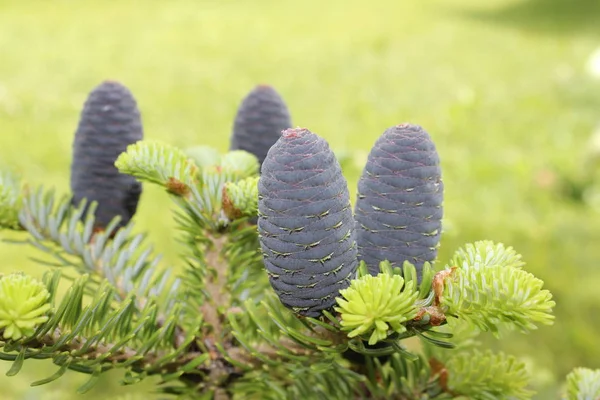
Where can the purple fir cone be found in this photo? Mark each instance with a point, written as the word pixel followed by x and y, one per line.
pixel 109 122
pixel 260 119
pixel 305 223
pixel 399 204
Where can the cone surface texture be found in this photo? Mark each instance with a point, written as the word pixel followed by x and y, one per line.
pixel 260 119
pixel 305 223
pixel 109 122
pixel 399 204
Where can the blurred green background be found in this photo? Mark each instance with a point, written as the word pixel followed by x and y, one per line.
pixel 502 86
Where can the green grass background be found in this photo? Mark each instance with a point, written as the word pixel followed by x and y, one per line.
pixel 500 85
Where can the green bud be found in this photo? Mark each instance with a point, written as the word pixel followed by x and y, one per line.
pixel 204 156
pixel 241 198
pixel 10 201
pixel 377 305
pixel 583 383
pixel 23 305
pixel 239 164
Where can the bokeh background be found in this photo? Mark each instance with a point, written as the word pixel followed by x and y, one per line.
pixel 508 89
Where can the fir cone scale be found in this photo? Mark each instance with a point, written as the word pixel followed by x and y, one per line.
pixel 399 210
pixel 305 223
pixel 260 119
pixel 109 122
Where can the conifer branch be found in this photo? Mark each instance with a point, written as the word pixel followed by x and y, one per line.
pixel 55 227
pixel 10 200
pixel 218 297
pixel 490 290
pixel 583 384
pixel 241 198
pixel 220 331
pixel 204 156
pixel 98 336
pixel 407 379
pixel 161 164
pixel 487 376
pixel 485 253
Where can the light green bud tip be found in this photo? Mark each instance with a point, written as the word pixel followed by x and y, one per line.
pixel 583 383
pixel 243 195
pixel 10 201
pixel 23 305
pixel 240 164
pixel 204 156
pixel 376 305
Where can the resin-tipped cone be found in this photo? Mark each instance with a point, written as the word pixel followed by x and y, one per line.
pixel 109 122
pixel 305 223
pixel 399 204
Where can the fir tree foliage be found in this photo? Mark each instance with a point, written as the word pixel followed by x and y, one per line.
pixel 241 198
pixel 221 328
pixel 204 156
pixel 487 376
pixel 583 384
pixel 489 289
pixel 377 304
pixel 127 294
pixel 486 253
pixel 23 305
pixel 159 163
pixel 115 255
pixel 10 200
